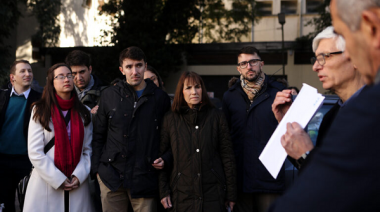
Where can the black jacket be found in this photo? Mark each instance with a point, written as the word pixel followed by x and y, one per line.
pixel 4 100
pixel 92 97
pixel 343 174
pixel 204 174
pixel 126 137
pixel 251 127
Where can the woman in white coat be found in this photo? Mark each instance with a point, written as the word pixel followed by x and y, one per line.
pixel 59 178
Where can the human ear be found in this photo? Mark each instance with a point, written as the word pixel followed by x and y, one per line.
pixel 370 25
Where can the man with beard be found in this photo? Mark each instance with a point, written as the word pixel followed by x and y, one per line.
pixel 247 106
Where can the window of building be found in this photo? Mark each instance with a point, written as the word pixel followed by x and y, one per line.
pixel 264 8
pixel 312 6
pixel 289 6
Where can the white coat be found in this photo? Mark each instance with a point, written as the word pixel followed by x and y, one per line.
pixel 43 193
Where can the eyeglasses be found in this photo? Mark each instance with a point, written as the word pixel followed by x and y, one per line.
pixel 253 62
pixel 62 77
pixel 321 58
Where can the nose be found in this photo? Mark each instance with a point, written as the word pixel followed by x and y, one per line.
pixel 193 90
pixel 316 66
pixel 77 77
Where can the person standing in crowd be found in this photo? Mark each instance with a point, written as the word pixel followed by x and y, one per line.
pixel 203 174
pixel 126 137
pixel 87 85
pixel 343 174
pixel 59 178
pixel 338 75
pixel 247 106
pixel 152 74
pixel 15 103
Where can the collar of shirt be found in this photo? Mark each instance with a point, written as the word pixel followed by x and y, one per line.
pixel 341 104
pixel 26 93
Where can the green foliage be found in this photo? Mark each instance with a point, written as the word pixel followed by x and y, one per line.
pixel 9 16
pixel 159 27
pixel 46 12
pixel 322 21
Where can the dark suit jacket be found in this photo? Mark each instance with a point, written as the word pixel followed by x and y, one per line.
pixel 4 100
pixel 344 173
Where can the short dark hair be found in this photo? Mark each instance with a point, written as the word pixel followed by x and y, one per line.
pixel 179 99
pixel 78 58
pixel 133 52
pixel 249 50
pixel 13 66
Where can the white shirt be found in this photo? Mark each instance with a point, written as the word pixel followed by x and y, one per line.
pixel 26 93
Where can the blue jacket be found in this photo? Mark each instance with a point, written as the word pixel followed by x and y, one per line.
pixel 343 174
pixel 251 127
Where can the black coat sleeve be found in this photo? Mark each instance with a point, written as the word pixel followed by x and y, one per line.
pixel 165 147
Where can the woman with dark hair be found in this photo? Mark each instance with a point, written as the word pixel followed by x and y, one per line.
pixel 59 147
pixel 201 174
pixel 152 74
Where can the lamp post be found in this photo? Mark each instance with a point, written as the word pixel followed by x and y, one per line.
pixel 281 20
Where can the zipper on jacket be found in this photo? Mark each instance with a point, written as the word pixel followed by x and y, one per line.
pixel 134 106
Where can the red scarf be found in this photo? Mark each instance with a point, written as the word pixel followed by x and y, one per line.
pixel 67 154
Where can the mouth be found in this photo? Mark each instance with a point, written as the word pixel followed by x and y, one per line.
pixel 27 79
pixel 321 78
pixel 67 86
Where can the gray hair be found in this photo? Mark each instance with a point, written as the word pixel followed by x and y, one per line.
pixel 329 33
pixel 350 11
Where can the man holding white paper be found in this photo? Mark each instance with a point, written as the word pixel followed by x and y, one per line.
pixel 343 174
pixel 337 74
pixel 247 106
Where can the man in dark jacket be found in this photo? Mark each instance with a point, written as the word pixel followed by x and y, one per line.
pixel 337 74
pixel 15 111
pixel 87 85
pixel 126 137
pixel 247 106
pixel 343 174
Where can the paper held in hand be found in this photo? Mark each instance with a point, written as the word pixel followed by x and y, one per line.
pixel 301 111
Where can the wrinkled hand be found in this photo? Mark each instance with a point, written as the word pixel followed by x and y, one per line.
pixel 94 110
pixel 231 204
pixel 158 163
pixel 166 202
pixel 281 104
pixel 296 141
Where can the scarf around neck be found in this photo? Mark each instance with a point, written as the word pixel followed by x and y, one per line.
pixel 83 93
pixel 67 152
pixel 252 88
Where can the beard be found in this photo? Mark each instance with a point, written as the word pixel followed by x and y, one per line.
pixel 254 77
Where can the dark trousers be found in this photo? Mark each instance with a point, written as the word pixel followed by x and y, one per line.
pixel 256 202
pixel 12 169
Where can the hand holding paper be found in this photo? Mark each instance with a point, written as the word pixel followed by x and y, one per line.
pixel 301 111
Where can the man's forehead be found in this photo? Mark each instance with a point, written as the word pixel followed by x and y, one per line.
pixel 326 45
pixel 128 61
pixel 23 66
pixel 249 56
pixel 78 68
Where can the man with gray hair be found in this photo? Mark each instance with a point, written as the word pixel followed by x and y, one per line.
pixel 337 74
pixel 344 173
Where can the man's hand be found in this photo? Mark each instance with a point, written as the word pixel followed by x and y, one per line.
pixel 158 163
pixel 94 110
pixel 166 202
pixel 230 204
pixel 66 185
pixel 281 104
pixel 296 141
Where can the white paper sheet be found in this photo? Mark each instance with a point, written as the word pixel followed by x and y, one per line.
pixel 301 111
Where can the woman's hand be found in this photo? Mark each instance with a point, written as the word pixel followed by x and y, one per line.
pixel 158 163
pixel 230 204
pixel 166 202
pixel 66 185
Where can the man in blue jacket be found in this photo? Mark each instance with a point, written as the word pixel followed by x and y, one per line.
pixel 343 175
pixel 247 106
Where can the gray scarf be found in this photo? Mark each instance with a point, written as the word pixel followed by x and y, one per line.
pixel 83 93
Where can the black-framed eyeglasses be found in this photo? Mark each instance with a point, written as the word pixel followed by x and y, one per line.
pixel 62 77
pixel 252 63
pixel 321 58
